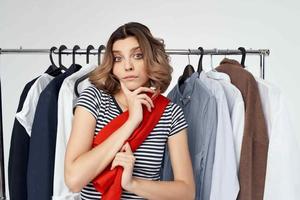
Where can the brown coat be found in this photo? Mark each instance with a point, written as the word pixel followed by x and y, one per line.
pixel 253 162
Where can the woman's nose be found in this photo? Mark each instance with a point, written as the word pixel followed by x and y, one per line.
pixel 128 65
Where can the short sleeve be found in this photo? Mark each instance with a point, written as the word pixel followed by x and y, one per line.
pixel 178 121
pixel 90 99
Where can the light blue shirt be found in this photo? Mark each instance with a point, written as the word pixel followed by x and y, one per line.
pixel 200 111
pixel 225 184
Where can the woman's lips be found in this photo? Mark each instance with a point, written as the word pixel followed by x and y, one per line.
pixel 129 78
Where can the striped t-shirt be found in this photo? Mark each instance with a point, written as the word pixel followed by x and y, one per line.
pixel 149 155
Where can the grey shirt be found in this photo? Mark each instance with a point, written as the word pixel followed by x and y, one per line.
pixel 200 111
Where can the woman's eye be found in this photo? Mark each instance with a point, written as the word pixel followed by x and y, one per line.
pixel 117 58
pixel 138 56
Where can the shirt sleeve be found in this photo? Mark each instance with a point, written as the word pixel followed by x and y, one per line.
pixel 90 99
pixel 178 121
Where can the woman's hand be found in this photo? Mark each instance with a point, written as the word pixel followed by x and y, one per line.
pixel 126 159
pixel 135 99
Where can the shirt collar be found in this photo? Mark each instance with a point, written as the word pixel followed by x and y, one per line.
pixel 218 75
pixel 185 95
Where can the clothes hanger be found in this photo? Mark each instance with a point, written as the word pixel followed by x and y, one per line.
pixel 75 48
pixel 188 71
pixel 101 47
pixel 200 67
pixel 243 50
pixel 61 48
pixel 89 48
pixel 51 58
pixel 88 51
pixel 53 69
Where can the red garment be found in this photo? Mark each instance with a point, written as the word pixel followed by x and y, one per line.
pixel 109 181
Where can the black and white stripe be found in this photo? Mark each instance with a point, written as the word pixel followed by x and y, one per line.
pixel 149 155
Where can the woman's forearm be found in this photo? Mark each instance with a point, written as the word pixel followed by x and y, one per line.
pixel 162 190
pixel 88 165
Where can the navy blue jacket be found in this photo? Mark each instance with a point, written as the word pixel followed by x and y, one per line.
pixel 19 148
pixel 18 154
pixel 40 169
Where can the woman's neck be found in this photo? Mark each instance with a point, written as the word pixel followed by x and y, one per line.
pixel 121 100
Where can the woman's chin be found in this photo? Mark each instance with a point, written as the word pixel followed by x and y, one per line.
pixel 133 86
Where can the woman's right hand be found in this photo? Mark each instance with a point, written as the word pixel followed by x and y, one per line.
pixel 135 99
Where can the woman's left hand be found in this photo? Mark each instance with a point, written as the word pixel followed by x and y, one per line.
pixel 126 159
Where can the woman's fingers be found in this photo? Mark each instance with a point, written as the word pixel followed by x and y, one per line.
pixel 140 93
pixel 143 90
pixel 146 103
pixel 123 159
pixel 125 89
pixel 147 98
pixel 135 100
pixel 128 150
pixel 137 91
pixel 122 163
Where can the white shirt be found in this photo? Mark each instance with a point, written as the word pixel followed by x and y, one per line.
pixel 236 107
pixel 26 115
pixel 66 102
pixel 225 183
pixel 283 174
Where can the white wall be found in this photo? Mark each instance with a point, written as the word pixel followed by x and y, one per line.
pixel 182 24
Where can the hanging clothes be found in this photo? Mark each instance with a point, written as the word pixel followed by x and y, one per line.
pixel 236 109
pixel 42 142
pixel 20 139
pixel 225 183
pixel 200 111
pixel 26 115
pixel 254 150
pixel 18 154
pixel 66 102
pixel 282 176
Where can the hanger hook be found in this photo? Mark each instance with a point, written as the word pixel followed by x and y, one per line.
pixel 61 48
pixel 200 68
pixel 88 51
pixel 75 48
pixel 50 55
pixel 243 50
pixel 100 49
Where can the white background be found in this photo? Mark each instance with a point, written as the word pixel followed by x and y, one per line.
pixel 182 24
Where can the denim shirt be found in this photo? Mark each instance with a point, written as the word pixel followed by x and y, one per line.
pixel 200 111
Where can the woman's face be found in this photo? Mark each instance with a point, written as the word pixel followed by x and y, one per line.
pixel 128 65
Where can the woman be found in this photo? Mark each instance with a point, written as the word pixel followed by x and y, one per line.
pixel 135 69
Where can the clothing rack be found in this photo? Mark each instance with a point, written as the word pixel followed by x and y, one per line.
pixel 262 53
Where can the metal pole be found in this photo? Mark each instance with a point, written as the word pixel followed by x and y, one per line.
pixel 2 174
pixel 262 66
pixel 168 51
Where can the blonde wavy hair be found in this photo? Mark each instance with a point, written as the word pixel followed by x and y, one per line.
pixel 155 58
